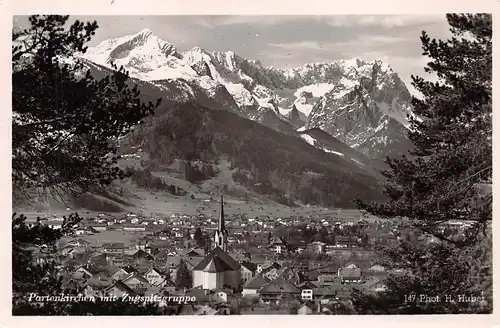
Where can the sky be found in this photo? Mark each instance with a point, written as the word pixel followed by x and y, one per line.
pixel 290 41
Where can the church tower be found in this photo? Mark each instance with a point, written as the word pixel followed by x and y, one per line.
pixel 221 233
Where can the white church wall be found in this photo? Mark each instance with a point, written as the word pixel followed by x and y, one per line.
pixel 198 278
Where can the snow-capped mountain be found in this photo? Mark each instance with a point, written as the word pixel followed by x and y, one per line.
pixel 364 104
pixel 368 110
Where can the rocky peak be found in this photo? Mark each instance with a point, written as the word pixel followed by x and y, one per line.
pixel 369 112
pixel 359 102
pixel 202 69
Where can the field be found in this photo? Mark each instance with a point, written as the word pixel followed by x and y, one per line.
pixel 166 205
pixel 128 238
pixel 148 203
pixel 200 199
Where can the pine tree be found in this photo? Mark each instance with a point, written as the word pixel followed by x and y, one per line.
pixel 444 177
pixel 66 124
pixel 183 277
pixel 64 138
pixel 199 238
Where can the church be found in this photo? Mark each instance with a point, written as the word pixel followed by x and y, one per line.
pixel 218 269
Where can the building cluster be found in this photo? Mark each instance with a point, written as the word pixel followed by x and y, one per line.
pixel 222 278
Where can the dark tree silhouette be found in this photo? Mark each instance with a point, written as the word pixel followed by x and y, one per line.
pixel 446 177
pixel 199 238
pixel 66 124
pixel 183 277
pixel 64 138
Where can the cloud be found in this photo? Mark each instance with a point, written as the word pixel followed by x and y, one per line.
pixel 385 21
pixel 257 20
pixel 352 48
pixel 301 46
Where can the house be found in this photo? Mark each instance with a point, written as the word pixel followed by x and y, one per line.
pixel 325 295
pixel 173 262
pixel 344 293
pixel 351 266
pixel 135 280
pixel 97 284
pixel 142 244
pixel 346 242
pixel 131 227
pixel 185 309
pixel 118 289
pixel 202 296
pixel 253 285
pixel 271 273
pixel 316 247
pixel 349 275
pixel 84 272
pixel 206 310
pixel 113 248
pixel 142 255
pixel 328 279
pixel 267 266
pixel 307 285
pixel 328 270
pixel 116 260
pixel 372 285
pixel 306 294
pixel 58 218
pixel 56 225
pixel 306 308
pixel 80 231
pixel 275 290
pixel 290 274
pixel 154 276
pixel 376 268
pixel 223 309
pixel 248 270
pixel 225 297
pixel 196 252
pixel 161 256
pixel 122 273
pixel 98 259
pixel 69 252
pixel 78 242
pixel 277 245
pixel 95 287
pixel 99 226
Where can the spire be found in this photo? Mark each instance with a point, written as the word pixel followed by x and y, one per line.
pixel 221 217
pixel 221 233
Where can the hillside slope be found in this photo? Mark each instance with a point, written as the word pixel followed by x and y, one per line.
pixel 280 166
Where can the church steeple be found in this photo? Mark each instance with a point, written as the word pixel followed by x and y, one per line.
pixel 221 233
pixel 221 215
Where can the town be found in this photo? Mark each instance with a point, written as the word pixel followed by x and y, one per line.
pixel 230 265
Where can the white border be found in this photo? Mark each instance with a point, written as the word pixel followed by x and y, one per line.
pixel 235 7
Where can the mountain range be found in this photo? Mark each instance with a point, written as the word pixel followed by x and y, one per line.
pixel 363 104
pixel 315 134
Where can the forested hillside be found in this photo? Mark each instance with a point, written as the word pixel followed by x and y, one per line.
pixel 271 163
